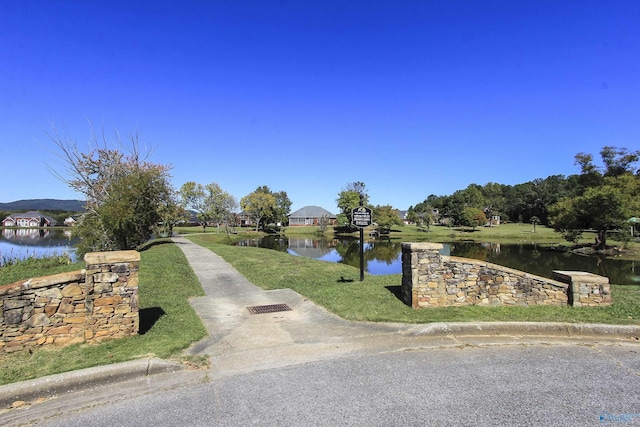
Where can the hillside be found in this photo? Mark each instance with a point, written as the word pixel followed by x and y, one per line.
pixel 44 205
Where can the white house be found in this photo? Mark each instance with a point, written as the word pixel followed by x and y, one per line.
pixel 28 219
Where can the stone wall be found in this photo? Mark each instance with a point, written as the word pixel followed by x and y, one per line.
pixel 433 280
pixel 90 305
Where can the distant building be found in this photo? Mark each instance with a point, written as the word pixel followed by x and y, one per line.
pixel 70 221
pixel 311 215
pixel 28 219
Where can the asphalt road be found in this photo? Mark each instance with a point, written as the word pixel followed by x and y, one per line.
pixel 501 385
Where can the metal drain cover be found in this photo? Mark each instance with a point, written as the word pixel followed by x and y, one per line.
pixel 271 308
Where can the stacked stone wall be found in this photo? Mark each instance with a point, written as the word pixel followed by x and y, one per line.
pixel 96 303
pixel 433 280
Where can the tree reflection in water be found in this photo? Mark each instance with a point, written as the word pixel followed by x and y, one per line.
pixel 385 256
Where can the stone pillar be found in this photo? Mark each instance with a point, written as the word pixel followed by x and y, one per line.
pixel 112 294
pixel 421 263
pixel 585 289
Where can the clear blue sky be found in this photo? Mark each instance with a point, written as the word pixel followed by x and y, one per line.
pixel 411 97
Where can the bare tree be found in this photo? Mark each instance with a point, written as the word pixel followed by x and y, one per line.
pixel 126 196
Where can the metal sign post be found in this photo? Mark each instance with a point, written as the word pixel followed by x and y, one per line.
pixel 361 217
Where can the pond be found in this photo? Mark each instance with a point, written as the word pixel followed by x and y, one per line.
pixel 385 257
pixel 22 243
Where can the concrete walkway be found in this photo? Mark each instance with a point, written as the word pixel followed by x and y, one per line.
pixel 240 342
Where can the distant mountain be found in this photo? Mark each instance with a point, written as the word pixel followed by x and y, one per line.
pixel 44 205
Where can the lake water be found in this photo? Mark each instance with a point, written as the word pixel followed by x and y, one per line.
pixel 21 243
pixel 380 257
pixel 385 257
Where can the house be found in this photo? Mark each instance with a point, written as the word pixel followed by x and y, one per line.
pixel 28 219
pixel 403 216
pixel 311 215
pixel 70 221
pixel 245 220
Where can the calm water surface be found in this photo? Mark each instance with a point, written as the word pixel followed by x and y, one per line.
pixel 24 242
pixel 385 257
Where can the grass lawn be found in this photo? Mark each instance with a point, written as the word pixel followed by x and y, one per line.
pixel 168 324
pixel 377 297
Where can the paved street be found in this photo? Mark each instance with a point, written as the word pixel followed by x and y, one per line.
pixel 564 385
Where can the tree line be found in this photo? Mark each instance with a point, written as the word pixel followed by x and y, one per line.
pixel 602 198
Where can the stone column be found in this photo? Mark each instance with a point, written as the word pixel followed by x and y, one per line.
pixel 421 263
pixel 112 294
pixel 585 289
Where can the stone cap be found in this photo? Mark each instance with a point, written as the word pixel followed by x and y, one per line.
pixel 93 258
pixel 579 276
pixel 425 246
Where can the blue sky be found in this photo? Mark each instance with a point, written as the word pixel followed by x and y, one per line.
pixel 410 97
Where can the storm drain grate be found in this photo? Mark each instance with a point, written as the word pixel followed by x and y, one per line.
pixel 271 308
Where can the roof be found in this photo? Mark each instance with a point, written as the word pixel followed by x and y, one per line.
pixel 30 215
pixel 311 212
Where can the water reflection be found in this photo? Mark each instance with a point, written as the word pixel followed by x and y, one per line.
pixel 385 257
pixel 24 242
pixel 380 257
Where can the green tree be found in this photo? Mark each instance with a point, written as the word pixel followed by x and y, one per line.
pixel 193 196
pixel 421 215
pixel 386 217
pixel 259 206
pixel 210 201
pixel 413 217
pixel 221 204
pixel 352 196
pixel 470 197
pixel 283 207
pixel 473 217
pixel 495 200
pixel 126 196
pixel 608 199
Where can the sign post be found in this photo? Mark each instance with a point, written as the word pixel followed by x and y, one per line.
pixel 361 217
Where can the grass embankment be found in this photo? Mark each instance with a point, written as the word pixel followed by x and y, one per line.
pixel 14 269
pixel 337 288
pixel 168 324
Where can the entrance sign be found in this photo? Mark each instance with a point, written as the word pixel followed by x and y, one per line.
pixel 361 217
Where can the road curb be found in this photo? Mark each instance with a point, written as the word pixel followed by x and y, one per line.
pixel 73 381
pixel 552 329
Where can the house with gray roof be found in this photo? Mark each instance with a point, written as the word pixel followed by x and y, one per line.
pixel 29 219
pixel 311 215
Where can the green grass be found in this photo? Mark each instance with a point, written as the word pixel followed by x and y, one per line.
pixel 13 270
pixel 168 324
pixel 376 298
